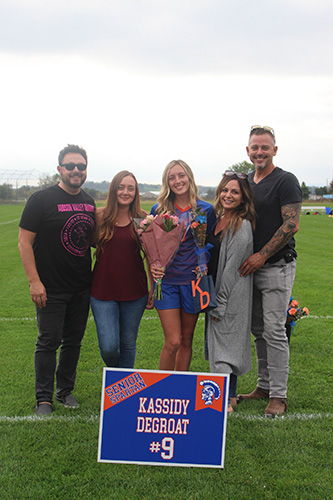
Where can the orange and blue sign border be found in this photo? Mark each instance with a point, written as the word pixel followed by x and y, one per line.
pixel 163 418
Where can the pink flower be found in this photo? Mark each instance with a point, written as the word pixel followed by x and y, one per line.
pixel 306 310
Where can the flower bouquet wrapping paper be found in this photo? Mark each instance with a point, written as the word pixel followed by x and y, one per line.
pixel 203 289
pixel 160 236
pixel 199 232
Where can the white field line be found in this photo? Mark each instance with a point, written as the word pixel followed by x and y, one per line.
pixel 59 418
pixel 287 416
pixel 239 416
pixel 153 318
pixel 8 222
pixel 203 317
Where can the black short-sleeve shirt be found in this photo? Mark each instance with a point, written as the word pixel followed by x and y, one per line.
pixel 278 189
pixel 63 224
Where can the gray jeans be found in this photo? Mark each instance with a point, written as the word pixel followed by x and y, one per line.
pixel 272 288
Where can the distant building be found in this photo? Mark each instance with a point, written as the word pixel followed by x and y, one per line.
pixel 149 195
pixel 315 197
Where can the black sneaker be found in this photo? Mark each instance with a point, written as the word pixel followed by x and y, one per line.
pixel 43 409
pixel 68 401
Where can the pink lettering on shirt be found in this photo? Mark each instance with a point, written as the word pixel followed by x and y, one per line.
pixel 65 207
pixel 78 207
pixel 89 208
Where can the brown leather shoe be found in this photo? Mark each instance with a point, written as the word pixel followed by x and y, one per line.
pixel 276 406
pixel 258 393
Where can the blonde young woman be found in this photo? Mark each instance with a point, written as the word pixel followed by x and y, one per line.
pixel 179 196
pixel 228 326
pixel 119 293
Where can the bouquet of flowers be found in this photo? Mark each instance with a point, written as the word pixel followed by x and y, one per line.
pixel 142 224
pixel 294 313
pixel 160 236
pixel 199 230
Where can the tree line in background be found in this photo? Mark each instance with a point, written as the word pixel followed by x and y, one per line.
pixel 98 190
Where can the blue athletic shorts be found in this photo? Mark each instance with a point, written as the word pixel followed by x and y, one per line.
pixel 176 297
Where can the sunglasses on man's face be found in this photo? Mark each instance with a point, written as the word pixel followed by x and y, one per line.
pixel 240 175
pixel 263 127
pixel 71 166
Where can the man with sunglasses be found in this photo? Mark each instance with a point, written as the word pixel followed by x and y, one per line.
pixel 54 244
pixel 277 199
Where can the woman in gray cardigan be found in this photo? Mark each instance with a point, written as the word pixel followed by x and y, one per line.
pixel 228 325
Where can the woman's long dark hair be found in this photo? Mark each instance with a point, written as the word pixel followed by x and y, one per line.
pixel 244 211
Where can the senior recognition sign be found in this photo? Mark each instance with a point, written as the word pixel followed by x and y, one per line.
pixel 163 418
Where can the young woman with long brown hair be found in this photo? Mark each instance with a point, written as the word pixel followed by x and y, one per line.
pixel 119 292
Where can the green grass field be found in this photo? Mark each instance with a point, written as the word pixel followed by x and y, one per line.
pixel 56 458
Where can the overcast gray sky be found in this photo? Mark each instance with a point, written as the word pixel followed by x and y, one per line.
pixel 141 82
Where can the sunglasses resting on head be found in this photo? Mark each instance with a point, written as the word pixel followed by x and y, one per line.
pixel 240 175
pixel 262 127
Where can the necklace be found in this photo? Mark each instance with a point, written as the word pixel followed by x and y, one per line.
pixel 124 221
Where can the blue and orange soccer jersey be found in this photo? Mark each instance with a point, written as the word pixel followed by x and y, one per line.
pixel 180 271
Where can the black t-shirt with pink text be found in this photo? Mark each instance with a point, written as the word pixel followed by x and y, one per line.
pixel 63 224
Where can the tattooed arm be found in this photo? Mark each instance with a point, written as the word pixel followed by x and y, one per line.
pixel 290 216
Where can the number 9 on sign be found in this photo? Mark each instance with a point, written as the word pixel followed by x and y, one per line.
pixel 167 446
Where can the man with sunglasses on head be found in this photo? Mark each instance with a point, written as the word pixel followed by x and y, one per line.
pixel 54 243
pixel 277 199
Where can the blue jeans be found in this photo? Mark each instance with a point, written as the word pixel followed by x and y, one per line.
pixel 117 325
pixel 232 386
pixel 61 322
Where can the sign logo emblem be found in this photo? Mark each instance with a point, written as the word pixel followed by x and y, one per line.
pixel 210 391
